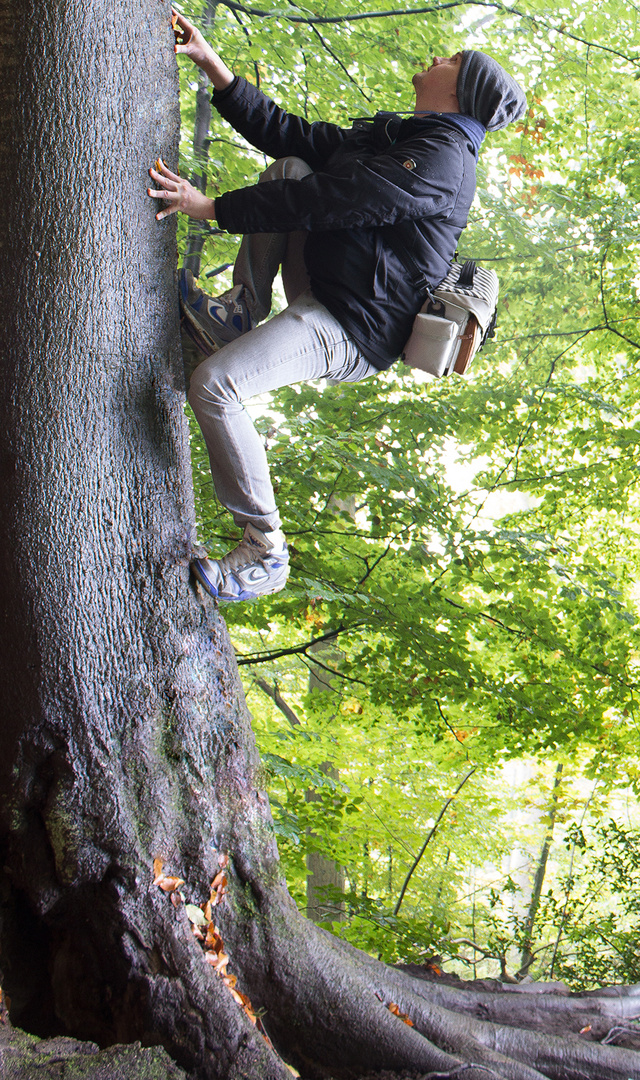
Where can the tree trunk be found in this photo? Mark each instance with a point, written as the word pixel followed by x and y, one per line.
pixel 118 691
pixel 325 878
pixel 528 956
pixel 125 737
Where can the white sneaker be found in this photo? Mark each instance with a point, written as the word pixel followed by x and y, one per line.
pixel 257 566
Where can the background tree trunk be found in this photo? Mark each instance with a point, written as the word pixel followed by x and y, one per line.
pixel 197 230
pixel 528 956
pixel 322 873
pixel 124 733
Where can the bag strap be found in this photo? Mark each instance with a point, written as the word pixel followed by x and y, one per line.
pixel 394 234
pixel 467 274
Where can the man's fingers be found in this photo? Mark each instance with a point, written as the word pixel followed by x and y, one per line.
pixel 167 179
pixel 160 179
pixel 183 23
pixel 164 194
pixel 165 213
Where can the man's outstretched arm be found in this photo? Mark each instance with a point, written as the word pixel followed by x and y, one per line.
pixel 263 123
pixel 191 43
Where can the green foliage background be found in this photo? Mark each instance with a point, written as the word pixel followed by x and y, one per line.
pixel 468 550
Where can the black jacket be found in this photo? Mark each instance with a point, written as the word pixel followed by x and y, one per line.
pixel 366 179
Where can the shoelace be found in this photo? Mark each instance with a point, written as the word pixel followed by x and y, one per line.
pixel 243 555
pixel 230 296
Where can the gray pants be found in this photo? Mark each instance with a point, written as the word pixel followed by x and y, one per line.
pixel 303 342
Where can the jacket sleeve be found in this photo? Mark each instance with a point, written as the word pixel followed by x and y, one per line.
pixel 272 130
pixel 417 179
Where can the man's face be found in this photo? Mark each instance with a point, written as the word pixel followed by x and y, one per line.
pixel 440 78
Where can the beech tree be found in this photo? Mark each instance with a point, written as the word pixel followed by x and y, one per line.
pixel 128 771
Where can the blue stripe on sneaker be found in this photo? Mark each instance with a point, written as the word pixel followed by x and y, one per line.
pixel 203 579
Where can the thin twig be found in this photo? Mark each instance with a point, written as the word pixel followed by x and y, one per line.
pixel 278 700
pixel 343 68
pixel 620 1029
pixel 460 1070
pixel 430 836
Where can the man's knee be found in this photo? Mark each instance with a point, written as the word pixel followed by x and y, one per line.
pixel 286 168
pixel 221 380
pixel 206 387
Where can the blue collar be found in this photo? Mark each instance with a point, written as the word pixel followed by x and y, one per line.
pixel 389 124
pixel 468 125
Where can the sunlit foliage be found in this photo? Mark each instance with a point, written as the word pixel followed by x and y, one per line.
pixel 467 549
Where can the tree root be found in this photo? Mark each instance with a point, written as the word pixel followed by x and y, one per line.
pixel 327 1010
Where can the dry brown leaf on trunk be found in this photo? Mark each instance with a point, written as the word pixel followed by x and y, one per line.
pixel 168 884
pixel 395 1009
pixel 218 961
pixel 213 939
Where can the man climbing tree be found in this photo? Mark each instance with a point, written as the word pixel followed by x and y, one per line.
pixel 354 200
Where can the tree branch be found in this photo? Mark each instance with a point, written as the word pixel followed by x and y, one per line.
pixel 260 13
pixel 302 650
pixel 277 698
pixel 261 658
pixel 430 836
pixel 355 17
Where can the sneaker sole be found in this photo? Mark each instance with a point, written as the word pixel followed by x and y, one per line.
pixel 196 338
pixel 245 595
pixel 195 330
pixel 208 341
pixel 203 579
pixel 192 323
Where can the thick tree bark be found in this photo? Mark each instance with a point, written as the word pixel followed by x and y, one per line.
pixel 124 734
pixel 118 692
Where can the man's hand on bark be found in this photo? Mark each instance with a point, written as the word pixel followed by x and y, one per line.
pixel 190 41
pixel 180 194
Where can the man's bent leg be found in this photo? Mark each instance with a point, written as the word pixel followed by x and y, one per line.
pixel 262 254
pixel 211 323
pixel 303 342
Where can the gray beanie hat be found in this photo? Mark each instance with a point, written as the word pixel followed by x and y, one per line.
pixel 487 92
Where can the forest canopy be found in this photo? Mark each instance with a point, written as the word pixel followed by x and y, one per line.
pixel 465 552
